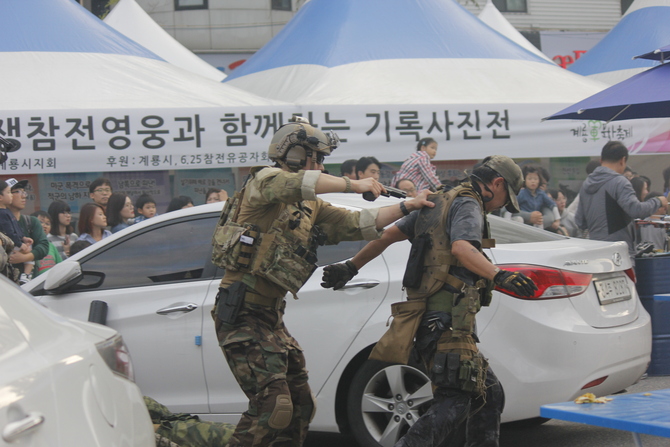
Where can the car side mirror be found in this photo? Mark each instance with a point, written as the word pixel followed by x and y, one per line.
pixel 62 276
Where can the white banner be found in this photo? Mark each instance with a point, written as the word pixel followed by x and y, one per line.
pixel 63 141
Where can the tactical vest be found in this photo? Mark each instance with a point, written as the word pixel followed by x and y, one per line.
pixel 438 258
pixel 284 254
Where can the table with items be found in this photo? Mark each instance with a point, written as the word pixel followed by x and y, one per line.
pixel 647 413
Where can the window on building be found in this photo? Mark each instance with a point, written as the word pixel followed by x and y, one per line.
pixel 511 5
pixel 180 5
pixel 281 5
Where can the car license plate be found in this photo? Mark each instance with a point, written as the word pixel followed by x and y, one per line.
pixel 612 290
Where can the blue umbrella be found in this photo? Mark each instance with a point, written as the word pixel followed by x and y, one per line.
pixel 660 54
pixel 645 95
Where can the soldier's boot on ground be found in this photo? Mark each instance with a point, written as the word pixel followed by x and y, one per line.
pixel 448 411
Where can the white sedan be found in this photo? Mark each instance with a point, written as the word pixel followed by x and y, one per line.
pixel 584 331
pixel 64 383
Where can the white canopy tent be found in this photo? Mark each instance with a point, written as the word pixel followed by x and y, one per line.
pixel 79 96
pixel 493 18
pixel 421 68
pixel 128 18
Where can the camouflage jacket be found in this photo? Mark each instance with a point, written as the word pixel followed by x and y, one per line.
pixel 271 190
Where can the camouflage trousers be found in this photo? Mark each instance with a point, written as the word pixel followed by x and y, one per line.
pixel 186 430
pixel 269 366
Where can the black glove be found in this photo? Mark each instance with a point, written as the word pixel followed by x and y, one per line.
pixel 337 275
pixel 515 282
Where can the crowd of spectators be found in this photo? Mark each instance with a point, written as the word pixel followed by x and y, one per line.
pixel 45 238
pixel 555 210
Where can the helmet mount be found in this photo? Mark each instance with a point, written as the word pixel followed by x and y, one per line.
pixel 298 140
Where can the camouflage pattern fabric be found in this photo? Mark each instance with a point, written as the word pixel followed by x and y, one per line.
pixel 5 267
pixel 186 430
pixel 164 442
pixel 268 364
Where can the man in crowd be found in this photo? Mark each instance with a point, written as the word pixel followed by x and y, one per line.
pixel 348 169
pixel 452 234
pixel 368 167
pixel 100 190
pixel 31 227
pixel 266 241
pixel 607 201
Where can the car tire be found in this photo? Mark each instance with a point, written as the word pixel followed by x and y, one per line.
pixel 385 400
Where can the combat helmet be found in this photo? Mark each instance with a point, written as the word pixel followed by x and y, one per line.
pixel 297 141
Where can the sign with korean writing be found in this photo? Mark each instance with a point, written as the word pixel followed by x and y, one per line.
pixel 175 139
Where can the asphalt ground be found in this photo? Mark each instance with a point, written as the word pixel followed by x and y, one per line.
pixel 553 433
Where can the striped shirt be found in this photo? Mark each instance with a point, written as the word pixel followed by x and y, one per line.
pixel 419 170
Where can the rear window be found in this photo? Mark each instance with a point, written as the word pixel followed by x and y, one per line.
pixel 506 231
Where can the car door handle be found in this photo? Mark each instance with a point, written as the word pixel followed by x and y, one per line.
pixel 363 285
pixel 188 307
pixel 14 430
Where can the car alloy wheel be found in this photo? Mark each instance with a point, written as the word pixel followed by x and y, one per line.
pixel 385 400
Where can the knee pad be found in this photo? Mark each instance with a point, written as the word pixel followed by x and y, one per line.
pixel 282 413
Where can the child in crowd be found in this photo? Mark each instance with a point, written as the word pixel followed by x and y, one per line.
pixel 79 246
pixel 62 231
pixel 53 257
pixel 145 207
pixel 531 198
pixel 10 227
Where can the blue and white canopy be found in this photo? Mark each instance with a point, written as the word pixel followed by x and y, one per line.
pixel 57 55
pixel 384 73
pixel 400 52
pixel 643 28
pixel 79 96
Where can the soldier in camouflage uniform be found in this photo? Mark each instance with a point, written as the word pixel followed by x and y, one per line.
pixel 266 241
pixel 454 278
pixel 186 430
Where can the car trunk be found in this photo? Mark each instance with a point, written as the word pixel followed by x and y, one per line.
pixel 609 300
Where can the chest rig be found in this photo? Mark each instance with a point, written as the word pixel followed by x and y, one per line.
pixel 281 249
pixel 437 257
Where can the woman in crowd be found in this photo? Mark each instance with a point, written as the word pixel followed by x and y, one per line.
pixel 119 212
pixel 179 203
pixel 92 223
pixel 418 167
pixel 641 187
pixel 62 234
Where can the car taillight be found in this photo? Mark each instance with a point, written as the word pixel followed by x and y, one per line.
pixel 551 283
pixel 631 274
pixel 115 353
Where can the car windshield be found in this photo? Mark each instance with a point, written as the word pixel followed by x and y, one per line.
pixel 506 231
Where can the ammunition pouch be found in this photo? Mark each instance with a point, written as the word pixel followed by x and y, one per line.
pixel 397 342
pixel 463 311
pixel 414 270
pixel 458 365
pixel 229 301
pixel 288 264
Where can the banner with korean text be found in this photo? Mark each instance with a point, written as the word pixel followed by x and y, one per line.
pixel 64 141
